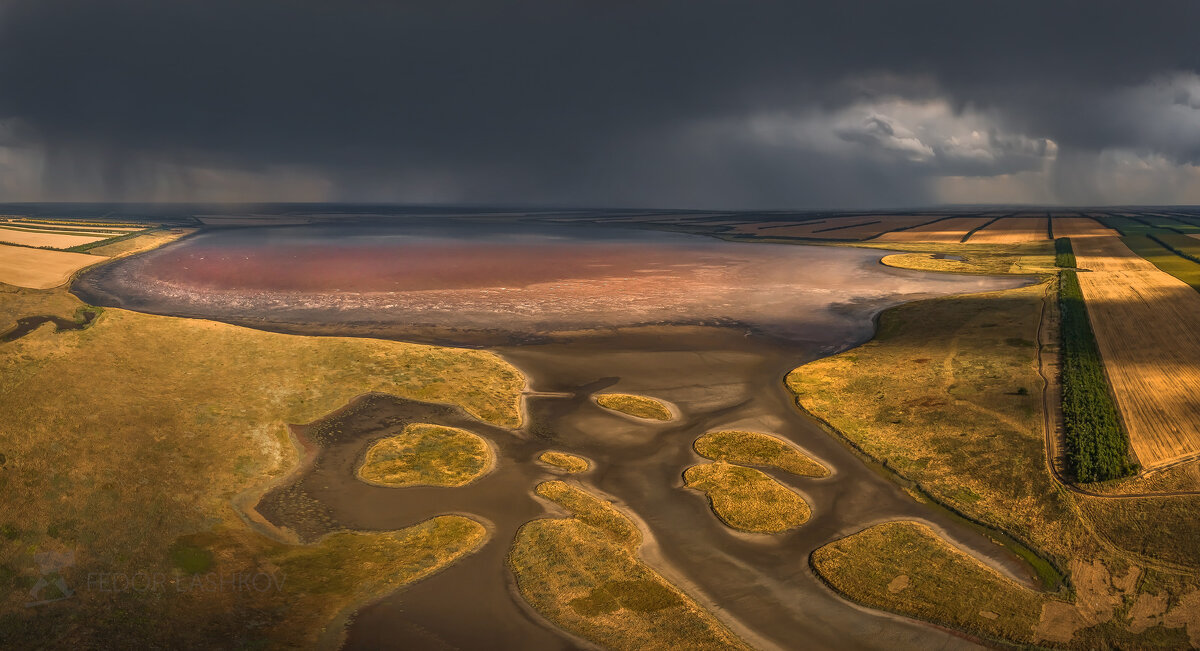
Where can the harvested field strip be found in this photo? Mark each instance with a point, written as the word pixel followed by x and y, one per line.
pixel 1169 223
pixel 1064 255
pixel 40 268
pixel 839 227
pixel 1151 248
pixel 74 226
pixel 947 230
pixel 51 222
pixel 1075 227
pixel 51 240
pixel 966 236
pixel 65 231
pixel 1144 321
pixel 1181 245
pixel 1097 447
pixel 1010 230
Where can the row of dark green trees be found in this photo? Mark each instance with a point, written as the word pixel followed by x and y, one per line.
pixel 1097 445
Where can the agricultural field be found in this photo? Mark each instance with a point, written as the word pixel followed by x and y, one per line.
pixel 48 239
pixel 1011 230
pixel 40 268
pixel 58 234
pixel 1096 443
pixel 1143 319
pixel 937 398
pixel 947 231
pixel 834 228
pixel 1076 227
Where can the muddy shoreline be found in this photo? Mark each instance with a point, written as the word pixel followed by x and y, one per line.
pixel 720 373
pixel 719 379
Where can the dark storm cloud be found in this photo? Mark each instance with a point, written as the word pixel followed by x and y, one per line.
pixel 653 103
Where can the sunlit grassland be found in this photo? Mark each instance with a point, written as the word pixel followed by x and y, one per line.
pixel 1024 258
pixel 582 573
pixel 633 405
pixel 125 440
pixel 747 499
pixel 564 461
pixel 427 455
pixel 947 395
pixel 757 449
pixel 905 567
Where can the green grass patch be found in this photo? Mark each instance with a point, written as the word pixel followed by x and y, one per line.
pixel 1064 255
pixel 757 449
pixel 427 455
pixel 1097 446
pixel 1153 250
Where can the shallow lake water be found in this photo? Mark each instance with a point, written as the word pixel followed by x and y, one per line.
pixel 708 325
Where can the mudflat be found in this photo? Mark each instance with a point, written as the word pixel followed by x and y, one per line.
pixel 721 367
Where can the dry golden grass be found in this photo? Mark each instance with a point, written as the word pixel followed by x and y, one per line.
pixel 1012 230
pixel 40 268
pixel 151 240
pixel 427 455
pixel 54 240
pixel 757 449
pixel 1026 258
pixel 633 405
pixel 903 567
pixel 582 573
pixel 937 396
pixel 17 302
pixel 124 439
pixel 63 230
pixel 747 499
pixel 948 231
pixel 564 461
pixel 1076 227
pixel 1145 324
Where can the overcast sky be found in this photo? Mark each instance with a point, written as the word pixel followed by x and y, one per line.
pixel 729 104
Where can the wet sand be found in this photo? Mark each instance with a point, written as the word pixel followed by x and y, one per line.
pixel 719 377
